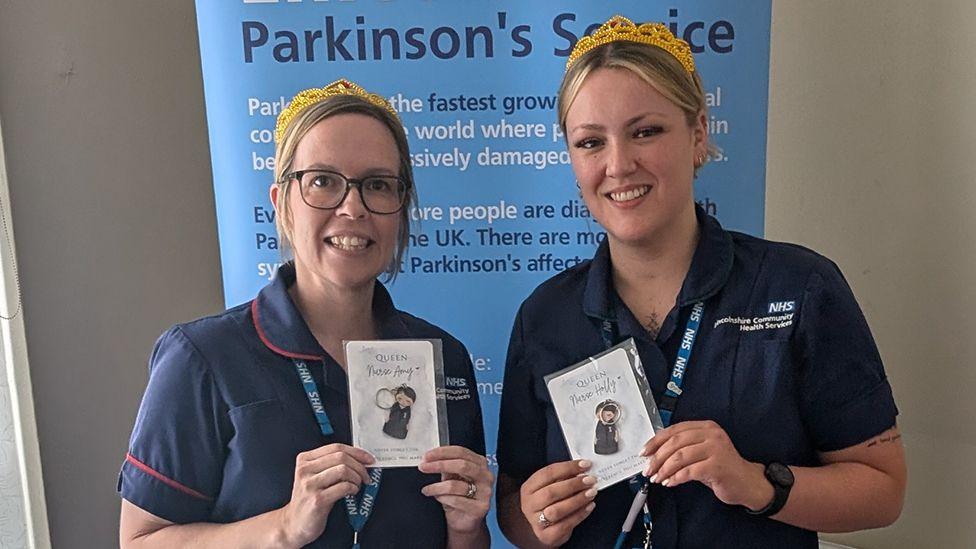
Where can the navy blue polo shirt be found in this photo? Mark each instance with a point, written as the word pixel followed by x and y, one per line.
pixel 784 362
pixel 225 415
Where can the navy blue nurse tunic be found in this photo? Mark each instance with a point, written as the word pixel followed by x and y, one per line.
pixel 225 415
pixel 784 362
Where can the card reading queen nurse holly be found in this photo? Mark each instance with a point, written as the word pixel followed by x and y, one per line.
pixel 396 399
pixel 606 412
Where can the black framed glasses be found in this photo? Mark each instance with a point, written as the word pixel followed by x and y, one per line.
pixel 326 190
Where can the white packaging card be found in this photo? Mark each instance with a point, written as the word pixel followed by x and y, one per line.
pixel 606 412
pixel 396 399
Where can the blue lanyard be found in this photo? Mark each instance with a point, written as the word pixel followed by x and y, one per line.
pixel 673 390
pixel 665 407
pixel 359 506
pixel 314 398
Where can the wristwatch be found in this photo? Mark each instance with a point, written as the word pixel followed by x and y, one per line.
pixel 781 478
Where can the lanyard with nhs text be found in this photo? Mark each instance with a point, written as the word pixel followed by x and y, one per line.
pixel 360 506
pixel 666 408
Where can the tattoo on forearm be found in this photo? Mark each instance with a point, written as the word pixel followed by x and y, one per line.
pixel 882 440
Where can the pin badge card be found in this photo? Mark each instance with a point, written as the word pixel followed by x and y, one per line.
pixel 606 412
pixel 396 399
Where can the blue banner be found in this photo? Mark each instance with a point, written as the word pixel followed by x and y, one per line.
pixel 475 85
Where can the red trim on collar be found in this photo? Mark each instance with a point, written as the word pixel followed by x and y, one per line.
pixel 267 342
pixel 164 479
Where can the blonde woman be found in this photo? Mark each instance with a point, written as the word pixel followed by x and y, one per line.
pixel 227 450
pixel 783 422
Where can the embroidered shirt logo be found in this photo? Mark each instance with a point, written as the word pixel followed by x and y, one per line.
pixel 456 388
pixel 455 381
pixel 779 315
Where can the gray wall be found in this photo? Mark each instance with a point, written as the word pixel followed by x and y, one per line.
pixel 109 173
pixel 871 132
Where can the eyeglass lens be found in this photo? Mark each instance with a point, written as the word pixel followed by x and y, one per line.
pixel 380 193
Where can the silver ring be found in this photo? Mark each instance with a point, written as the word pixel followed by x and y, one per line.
pixel 543 521
pixel 472 490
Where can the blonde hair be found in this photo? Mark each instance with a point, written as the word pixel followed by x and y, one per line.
pixel 302 124
pixel 655 66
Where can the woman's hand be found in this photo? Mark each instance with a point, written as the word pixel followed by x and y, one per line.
pixel 323 476
pixel 461 469
pixel 562 493
pixel 702 451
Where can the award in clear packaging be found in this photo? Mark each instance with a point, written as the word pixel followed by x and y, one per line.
pixel 396 399
pixel 606 412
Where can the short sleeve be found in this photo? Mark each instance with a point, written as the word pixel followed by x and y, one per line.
pixel 521 426
pixel 846 398
pixel 174 464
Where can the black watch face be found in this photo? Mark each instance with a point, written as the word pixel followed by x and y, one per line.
pixel 779 474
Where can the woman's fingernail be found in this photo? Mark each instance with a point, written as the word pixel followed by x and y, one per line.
pixel 666 482
pixel 590 507
pixel 585 463
pixel 589 479
pixel 653 478
pixel 591 493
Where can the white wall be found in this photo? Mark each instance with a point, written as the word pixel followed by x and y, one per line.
pixel 13 529
pixel 23 514
pixel 871 127
pixel 872 135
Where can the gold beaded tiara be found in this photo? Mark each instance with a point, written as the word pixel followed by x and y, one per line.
pixel 620 28
pixel 311 96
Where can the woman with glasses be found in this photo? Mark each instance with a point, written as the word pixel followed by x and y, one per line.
pixel 226 450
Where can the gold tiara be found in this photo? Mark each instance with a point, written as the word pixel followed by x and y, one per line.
pixel 311 96
pixel 620 28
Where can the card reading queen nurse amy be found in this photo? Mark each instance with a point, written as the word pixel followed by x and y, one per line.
pixel 606 412
pixel 396 399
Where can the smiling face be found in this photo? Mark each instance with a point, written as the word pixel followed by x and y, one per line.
pixel 346 247
pixel 634 156
pixel 403 400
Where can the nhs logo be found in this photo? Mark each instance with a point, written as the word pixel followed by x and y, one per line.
pixel 781 306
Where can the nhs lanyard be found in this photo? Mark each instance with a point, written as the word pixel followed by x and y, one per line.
pixel 360 506
pixel 665 407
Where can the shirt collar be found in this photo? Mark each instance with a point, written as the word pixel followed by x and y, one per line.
pixel 283 330
pixel 710 268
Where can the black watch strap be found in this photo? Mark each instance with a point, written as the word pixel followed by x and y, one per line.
pixel 781 478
